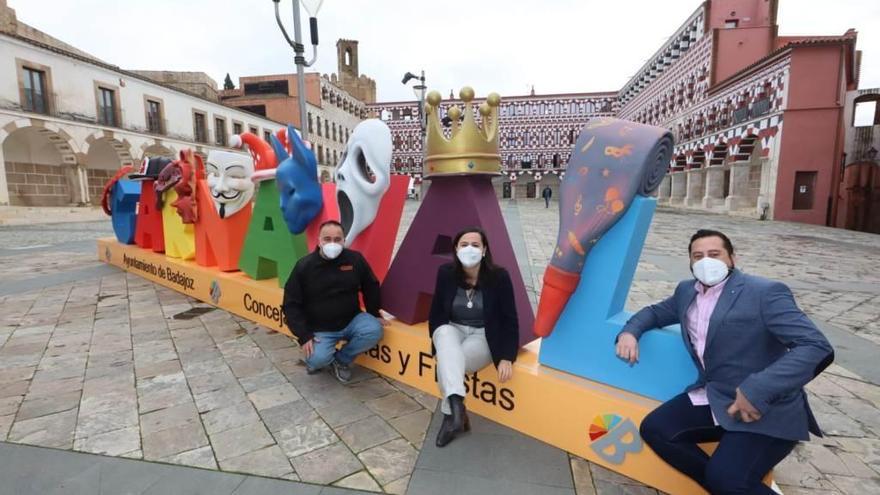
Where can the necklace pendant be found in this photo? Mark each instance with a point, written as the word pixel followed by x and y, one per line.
pixel 470 305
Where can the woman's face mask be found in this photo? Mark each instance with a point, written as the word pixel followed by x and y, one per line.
pixel 469 256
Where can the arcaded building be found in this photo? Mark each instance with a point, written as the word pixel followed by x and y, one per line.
pixel 758 118
pixel 69 121
pixel 535 135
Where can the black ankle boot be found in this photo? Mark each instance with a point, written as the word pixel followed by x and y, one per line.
pixel 447 432
pixel 456 404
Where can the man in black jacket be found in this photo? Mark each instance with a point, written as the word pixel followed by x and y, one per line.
pixel 322 307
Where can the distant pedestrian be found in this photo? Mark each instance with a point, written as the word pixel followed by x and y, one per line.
pixel 547 193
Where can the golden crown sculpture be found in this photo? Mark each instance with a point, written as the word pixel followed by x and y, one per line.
pixel 471 150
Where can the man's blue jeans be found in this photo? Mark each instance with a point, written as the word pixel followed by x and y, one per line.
pixel 361 334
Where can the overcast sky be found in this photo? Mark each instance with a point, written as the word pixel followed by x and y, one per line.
pixel 559 46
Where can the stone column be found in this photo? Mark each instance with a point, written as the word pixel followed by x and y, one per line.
pixel 679 188
pixel 78 182
pixel 764 192
pixel 695 179
pixel 664 192
pixel 4 187
pixel 739 186
pixel 714 195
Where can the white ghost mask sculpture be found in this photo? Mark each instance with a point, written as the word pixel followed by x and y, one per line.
pixel 229 177
pixel 363 177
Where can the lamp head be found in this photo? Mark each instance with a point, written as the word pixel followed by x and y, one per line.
pixel 419 90
pixel 408 77
pixel 312 6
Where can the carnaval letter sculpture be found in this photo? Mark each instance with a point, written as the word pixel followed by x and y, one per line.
pixel 366 199
pixel 119 200
pixel 461 195
pixel 604 215
pixel 124 201
pixel 603 199
pixel 148 232
pixel 364 177
pixel 270 248
pixel 229 188
pixel 297 180
pixel 174 188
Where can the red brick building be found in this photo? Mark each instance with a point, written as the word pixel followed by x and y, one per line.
pixel 758 118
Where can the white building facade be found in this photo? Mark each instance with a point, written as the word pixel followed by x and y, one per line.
pixel 69 122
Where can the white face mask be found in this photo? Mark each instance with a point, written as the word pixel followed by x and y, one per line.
pixel 229 178
pixel 331 250
pixel 710 271
pixel 470 256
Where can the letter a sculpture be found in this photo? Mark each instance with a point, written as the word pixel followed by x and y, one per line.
pixel 461 195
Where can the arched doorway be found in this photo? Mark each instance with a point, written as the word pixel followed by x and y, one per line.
pixel 861 191
pixel 41 168
pixel 104 156
pixel 157 149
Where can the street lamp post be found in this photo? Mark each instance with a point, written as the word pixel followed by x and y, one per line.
pixel 419 90
pixel 312 7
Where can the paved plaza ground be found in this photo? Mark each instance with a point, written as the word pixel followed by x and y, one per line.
pixel 94 360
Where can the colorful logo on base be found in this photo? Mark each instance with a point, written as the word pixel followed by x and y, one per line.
pixel 612 437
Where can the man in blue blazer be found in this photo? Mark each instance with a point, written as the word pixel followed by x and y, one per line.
pixel 754 349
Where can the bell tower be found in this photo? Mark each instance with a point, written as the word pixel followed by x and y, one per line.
pixel 347 60
pixel 350 78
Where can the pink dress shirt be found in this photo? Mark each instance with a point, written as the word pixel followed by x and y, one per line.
pixel 697 323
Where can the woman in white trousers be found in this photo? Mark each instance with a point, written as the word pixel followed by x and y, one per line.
pixel 472 323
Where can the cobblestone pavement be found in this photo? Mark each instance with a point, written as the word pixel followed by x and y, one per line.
pixel 112 364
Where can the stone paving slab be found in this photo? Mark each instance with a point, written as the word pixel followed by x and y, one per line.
pixel 490 455
pixel 28 469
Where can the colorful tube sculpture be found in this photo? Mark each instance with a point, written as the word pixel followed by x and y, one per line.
pixel 613 161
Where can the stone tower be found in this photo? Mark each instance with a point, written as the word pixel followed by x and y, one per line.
pixel 347 59
pixel 359 86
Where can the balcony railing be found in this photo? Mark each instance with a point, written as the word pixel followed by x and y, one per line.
pixel 760 107
pixel 740 115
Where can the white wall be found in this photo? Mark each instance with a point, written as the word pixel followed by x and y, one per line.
pixel 74 93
